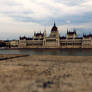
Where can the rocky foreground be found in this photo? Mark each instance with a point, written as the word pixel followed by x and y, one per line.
pixel 24 73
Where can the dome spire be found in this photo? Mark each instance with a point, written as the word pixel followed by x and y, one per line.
pixel 54 28
pixel 54 24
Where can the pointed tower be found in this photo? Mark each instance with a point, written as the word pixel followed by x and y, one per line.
pixel 45 33
pixel 54 28
pixel 54 24
pixel 34 35
pixel 54 31
pixel 44 39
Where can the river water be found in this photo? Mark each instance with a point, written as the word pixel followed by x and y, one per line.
pixel 60 52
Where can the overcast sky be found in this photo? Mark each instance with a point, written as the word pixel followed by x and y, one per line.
pixel 23 17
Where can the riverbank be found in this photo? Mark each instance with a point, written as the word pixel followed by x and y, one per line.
pixel 45 73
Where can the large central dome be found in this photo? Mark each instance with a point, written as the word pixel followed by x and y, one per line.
pixel 54 28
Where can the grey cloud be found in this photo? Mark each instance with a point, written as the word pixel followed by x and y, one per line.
pixel 44 12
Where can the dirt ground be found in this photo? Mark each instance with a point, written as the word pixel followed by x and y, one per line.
pixel 24 73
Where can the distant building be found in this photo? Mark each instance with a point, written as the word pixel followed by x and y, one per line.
pixel 2 43
pixel 7 43
pixel 71 40
pixel 14 43
pixel 87 41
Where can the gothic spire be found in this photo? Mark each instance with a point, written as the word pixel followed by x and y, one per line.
pixel 54 24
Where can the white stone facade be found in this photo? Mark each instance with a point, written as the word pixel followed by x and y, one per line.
pixel 40 40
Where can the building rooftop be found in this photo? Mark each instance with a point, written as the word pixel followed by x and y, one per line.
pixel 54 28
pixel 22 38
pixel 71 33
pixel 87 36
pixel 38 34
pixel 63 37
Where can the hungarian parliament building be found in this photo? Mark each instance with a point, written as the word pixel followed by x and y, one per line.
pixel 54 40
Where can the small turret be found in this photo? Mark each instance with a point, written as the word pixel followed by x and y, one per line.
pixel 45 32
